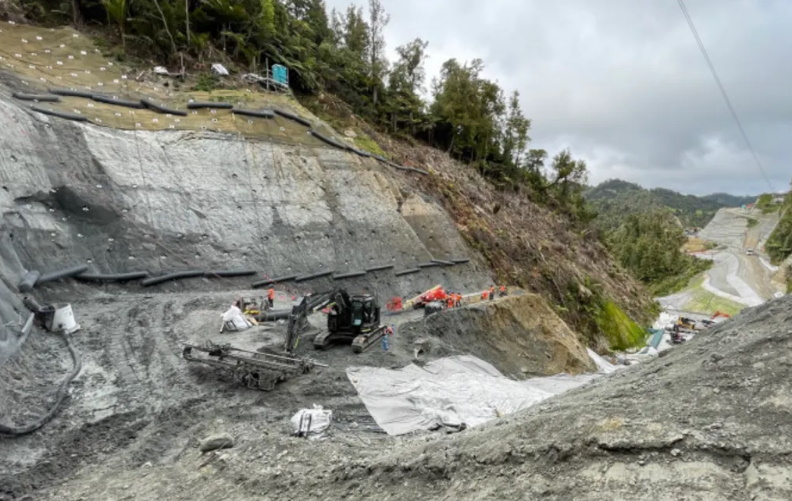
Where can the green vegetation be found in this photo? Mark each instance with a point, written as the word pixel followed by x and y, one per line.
pixel 752 222
pixel 341 54
pixel 703 301
pixel 727 200
pixel 766 203
pixel 779 245
pixel 368 144
pixel 615 199
pixel 622 333
pixel 649 246
pixel 207 82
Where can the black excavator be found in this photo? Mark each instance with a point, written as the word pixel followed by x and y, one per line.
pixel 351 319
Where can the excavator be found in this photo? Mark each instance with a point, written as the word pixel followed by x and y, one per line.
pixel 351 319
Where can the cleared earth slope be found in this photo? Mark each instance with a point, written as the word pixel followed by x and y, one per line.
pixel 707 421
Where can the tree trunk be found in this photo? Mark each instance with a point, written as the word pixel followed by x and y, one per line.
pixel 165 23
pixel 76 17
pixel 187 20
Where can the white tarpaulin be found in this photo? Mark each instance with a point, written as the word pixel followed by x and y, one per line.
pixel 450 392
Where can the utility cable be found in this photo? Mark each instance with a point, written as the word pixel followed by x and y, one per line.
pixel 722 89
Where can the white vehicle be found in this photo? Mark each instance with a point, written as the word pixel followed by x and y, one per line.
pixel 750 252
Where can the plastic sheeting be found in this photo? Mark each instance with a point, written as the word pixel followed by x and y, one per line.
pixel 451 392
pixel 234 319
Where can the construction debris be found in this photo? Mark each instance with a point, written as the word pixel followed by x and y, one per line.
pixel 311 423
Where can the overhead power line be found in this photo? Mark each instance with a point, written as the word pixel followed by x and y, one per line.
pixel 723 93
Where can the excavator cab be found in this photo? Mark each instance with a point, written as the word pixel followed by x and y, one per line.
pixel 365 313
pixel 349 317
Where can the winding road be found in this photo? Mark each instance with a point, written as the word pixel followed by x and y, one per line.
pixel 736 275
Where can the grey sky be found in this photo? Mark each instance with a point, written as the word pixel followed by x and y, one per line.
pixel 622 82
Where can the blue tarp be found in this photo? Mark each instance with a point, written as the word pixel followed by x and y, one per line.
pixel 657 336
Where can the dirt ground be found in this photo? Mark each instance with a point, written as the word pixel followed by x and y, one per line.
pixel 137 403
pixel 692 424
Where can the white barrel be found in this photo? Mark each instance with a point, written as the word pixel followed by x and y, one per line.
pixel 63 319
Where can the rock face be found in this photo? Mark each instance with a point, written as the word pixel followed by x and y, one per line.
pixel 177 200
pixel 519 335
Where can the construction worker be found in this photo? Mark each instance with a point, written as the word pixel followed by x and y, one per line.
pixel 492 292
pixel 484 295
pixel 388 332
pixel 271 297
pixel 502 290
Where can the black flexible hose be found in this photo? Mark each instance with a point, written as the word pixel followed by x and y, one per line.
pixel 101 98
pixel 162 109
pixel 270 281
pixel 195 105
pixel 71 92
pixel 380 268
pixel 60 114
pixel 42 98
pixel 229 273
pixel 64 273
pixel 254 113
pixel 112 277
pixel 59 398
pixel 407 272
pixel 292 116
pixel 171 276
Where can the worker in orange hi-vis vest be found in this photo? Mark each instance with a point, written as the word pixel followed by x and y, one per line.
pixel 502 290
pixel 271 297
pixel 492 292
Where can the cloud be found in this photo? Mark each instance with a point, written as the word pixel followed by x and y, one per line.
pixel 623 84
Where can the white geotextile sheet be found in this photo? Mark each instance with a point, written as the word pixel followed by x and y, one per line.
pixel 448 392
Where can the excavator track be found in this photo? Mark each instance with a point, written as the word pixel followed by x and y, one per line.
pixel 366 340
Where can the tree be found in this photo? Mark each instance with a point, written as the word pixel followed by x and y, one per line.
pixel 467 110
pixel 406 83
pixel 116 12
pixel 516 133
pixel 535 160
pixel 267 17
pixel 378 19
pixel 566 170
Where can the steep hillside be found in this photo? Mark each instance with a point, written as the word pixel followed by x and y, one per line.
pixel 779 245
pixel 615 199
pixel 528 244
pixel 213 191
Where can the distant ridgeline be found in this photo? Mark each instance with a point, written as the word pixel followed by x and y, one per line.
pixel 615 199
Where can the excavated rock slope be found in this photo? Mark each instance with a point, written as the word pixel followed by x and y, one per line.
pixel 178 200
pixel 709 420
pixel 519 335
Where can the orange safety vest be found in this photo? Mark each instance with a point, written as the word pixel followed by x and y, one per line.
pixel 503 288
pixel 271 294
